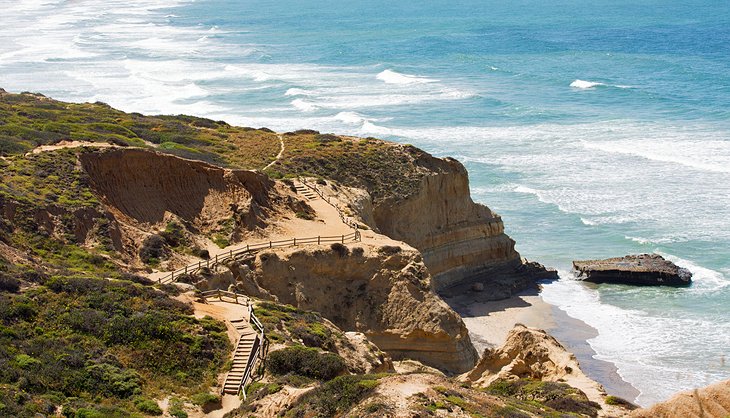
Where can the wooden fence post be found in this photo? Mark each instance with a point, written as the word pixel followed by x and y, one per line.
pixel 343 239
pixel 216 258
pixel 319 240
pixel 295 242
pixel 270 244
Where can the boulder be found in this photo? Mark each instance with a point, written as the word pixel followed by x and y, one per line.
pixel 640 270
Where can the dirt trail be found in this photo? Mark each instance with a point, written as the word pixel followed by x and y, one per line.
pixel 71 144
pixel 278 156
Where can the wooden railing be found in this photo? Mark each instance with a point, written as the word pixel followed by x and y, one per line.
pixel 232 295
pixel 250 248
pixel 345 219
pixel 255 350
pixel 258 351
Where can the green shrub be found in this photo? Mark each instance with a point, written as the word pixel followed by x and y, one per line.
pixel 307 362
pixel 339 394
pixel 313 334
pixel 324 138
pixel 510 412
pixel 176 408
pixel 573 405
pixel 113 381
pixel 153 249
pixel 25 361
pixel 8 283
pixel 136 279
pixel 174 235
pixel 376 407
pixel 204 398
pixel 616 401
pixel 148 406
pixel 340 249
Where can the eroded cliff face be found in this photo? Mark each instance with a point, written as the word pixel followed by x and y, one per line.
pixel 144 186
pixel 146 191
pixel 386 296
pixel 459 239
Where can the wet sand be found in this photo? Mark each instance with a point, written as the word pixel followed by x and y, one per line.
pixel 489 322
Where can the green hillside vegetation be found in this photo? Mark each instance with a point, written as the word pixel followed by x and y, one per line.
pixel 387 170
pixel 92 344
pixel 29 120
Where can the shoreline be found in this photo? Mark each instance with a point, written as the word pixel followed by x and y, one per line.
pixel 489 322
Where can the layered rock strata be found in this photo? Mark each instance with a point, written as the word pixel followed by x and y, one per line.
pixel 462 242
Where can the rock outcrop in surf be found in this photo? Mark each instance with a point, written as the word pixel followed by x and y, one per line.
pixel 641 270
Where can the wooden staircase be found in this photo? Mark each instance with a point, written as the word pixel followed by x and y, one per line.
pixel 248 343
pixel 305 191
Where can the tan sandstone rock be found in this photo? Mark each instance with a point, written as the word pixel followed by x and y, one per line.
pixel 386 297
pixel 709 402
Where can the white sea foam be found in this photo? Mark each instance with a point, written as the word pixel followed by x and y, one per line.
pixel 351 118
pixel 304 105
pixel 297 92
pixel 393 77
pixel 582 84
pixel 705 155
pixel 639 343
pixel 704 279
pixel 370 128
pixel 586 85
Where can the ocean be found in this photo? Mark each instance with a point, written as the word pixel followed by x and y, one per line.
pixel 595 129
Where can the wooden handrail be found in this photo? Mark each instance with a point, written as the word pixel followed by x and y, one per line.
pixel 232 254
pixel 249 366
pixel 219 293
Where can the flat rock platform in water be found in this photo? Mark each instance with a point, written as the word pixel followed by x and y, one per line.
pixel 641 270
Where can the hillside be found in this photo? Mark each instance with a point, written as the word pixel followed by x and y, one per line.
pixel 99 209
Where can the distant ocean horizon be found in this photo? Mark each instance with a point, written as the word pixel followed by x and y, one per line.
pixel 595 130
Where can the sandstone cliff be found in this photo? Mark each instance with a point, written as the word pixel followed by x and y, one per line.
pixel 146 190
pixel 458 238
pixel 386 296
pixel 709 402
pixel 144 186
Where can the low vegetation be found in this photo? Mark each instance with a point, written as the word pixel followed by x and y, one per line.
pixel 30 120
pixel 532 395
pixel 100 347
pixel 386 170
pixel 335 397
pixel 307 362
pixel 287 324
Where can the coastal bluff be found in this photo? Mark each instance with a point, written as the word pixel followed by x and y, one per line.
pixel 409 195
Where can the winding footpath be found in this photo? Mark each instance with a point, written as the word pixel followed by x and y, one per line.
pixel 278 156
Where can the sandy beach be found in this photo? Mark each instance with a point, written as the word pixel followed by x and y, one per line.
pixel 489 322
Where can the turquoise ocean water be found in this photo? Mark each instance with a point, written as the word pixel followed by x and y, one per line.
pixel 594 128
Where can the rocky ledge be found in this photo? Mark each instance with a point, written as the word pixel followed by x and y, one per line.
pixel 641 270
